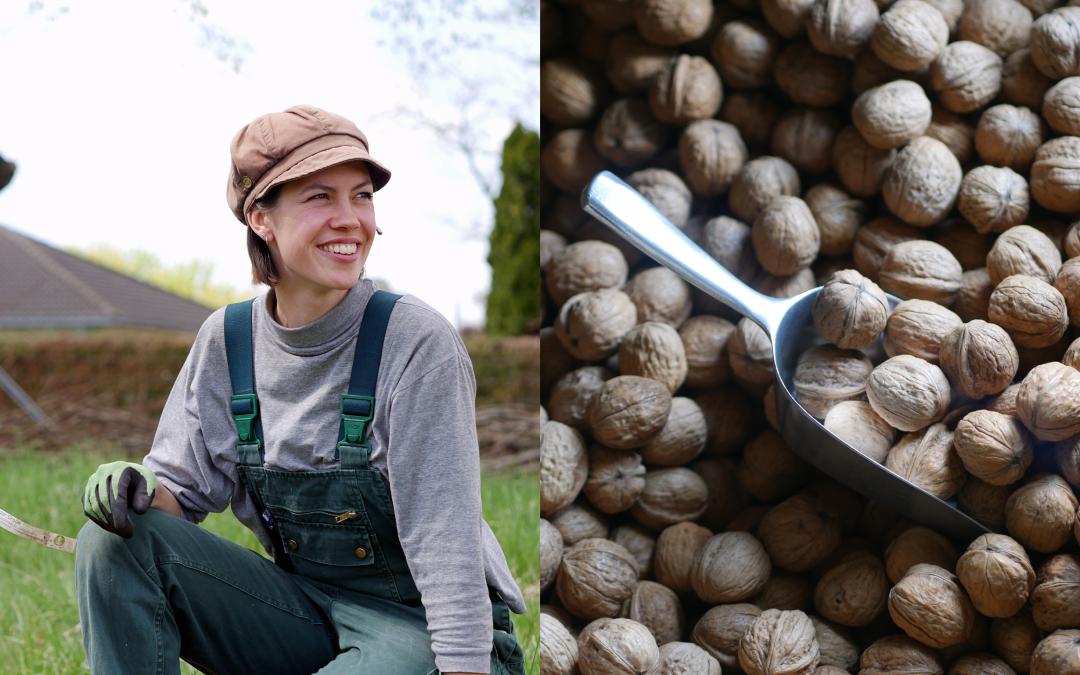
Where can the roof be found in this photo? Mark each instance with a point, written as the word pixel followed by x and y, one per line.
pixel 44 287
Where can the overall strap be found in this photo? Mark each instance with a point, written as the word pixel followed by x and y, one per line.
pixel 358 406
pixel 244 405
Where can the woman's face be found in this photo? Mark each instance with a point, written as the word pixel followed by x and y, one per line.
pixel 322 228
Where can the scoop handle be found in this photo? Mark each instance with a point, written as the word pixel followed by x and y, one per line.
pixel 624 210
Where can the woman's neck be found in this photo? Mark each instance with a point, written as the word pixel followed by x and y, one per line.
pixel 296 307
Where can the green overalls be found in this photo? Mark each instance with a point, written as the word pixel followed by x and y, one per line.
pixel 343 583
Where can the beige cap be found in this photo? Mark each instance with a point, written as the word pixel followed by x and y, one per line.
pixel 284 146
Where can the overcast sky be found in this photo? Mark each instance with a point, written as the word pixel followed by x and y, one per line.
pixel 119 116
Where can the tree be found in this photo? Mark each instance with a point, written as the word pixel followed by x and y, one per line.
pixel 514 302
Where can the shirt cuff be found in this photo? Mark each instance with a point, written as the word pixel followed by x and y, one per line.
pixel 464 664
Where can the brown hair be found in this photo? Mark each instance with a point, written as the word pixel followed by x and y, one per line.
pixel 263 270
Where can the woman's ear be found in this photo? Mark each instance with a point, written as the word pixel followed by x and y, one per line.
pixel 260 224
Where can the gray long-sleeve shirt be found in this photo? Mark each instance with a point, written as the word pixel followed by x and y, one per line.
pixel 423 440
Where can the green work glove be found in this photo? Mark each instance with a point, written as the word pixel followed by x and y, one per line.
pixel 112 490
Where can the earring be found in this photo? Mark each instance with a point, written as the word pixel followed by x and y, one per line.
pixel 266 237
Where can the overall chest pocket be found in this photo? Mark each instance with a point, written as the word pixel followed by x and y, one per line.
pixel 339 545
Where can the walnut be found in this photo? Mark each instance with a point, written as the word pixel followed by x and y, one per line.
pixel 785 236
pixel 656 607
pixel 954 131
pixel 838 217
pixel 705 341
pixel 966 76
pixel 551 549
pixel 683 657
pixel 870 71
pixel 841 27
pixel 676 548
pixel 616 478
pixel 804 137
pixel 572 90
pixel 999 25
pixel 563 467
pixel 667 192
pixel 860 166
pixel 1059 106
pixel 918 545
pixel 826 375
pixel 787 17
pixel 711 152
pixel 810 77
pixel 909 35
pixel 893 114
pixel 973 300
pixel 584 266
pixel 1067 453
pixel 660 295
pixel 856 423
pixel 754 113
pixel 1015 638
pixel 799 533
pixel 854 591
pixel 909 393
pixel 873 241
pixel 570 397
pixel 558 648
pixel 769 469
pixel 1032 311
pixel 578 522
pixel 930 605
pixel 921 270
pixel 570 160
pixel 596 577
pixel 728 417
pixel 618 647
pixel 1072 241
pixel 837 645
pixel 1055 599
pixel 745 53
pixel 687 89
pixel 1040 515
pixel 1021 81
pixel 978 663
pixel 591 325
pixel 1023 250
pixel 726 495
pixel 1031 357
pixel 671 495
pixel 628 134
pixel 1057 653
pixel 994 199
pixel 993 447
pixel 850 311
pixel 555 361
pixel 1010 136
pixel 1068 284
pixel 923 181
pixel 729 242
pixel 628 411
pixel 682 438
pixel 721 628
pixel 673 22
pixel 900 655
pixel 731 566
pixel 784 286
pixel 758 182
pixel 632 63
pixel 927 458
pixel 997 575
pixel 1054 41
pixel 654 350
pixel 979 359
pixel 639 542
pixel 843 504
pixel 550 244
pixel 779 642
pixel 750 351
pixel 786 591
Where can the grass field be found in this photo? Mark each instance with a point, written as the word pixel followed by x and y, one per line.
pixel 39 632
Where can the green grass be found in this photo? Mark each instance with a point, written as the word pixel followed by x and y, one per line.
pixel 39 616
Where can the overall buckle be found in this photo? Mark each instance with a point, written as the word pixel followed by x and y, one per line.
pixel 244 409
pixel 356 411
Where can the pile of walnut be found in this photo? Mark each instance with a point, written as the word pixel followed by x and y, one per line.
pixel 927 149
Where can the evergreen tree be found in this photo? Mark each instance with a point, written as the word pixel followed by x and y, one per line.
pixel 513 306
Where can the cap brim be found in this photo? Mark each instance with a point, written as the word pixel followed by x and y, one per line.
pixel 327 158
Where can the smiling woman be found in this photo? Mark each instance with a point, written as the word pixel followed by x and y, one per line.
pixel 338 422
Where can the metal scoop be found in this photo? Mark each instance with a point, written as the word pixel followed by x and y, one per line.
pixel 790 325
